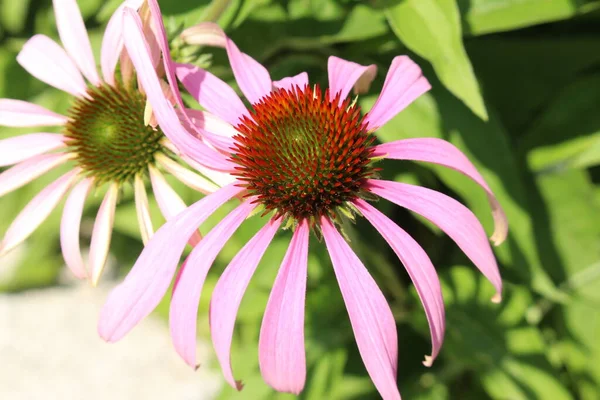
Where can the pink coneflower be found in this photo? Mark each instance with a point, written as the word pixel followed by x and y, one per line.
pixel 304 158
pixel 107 136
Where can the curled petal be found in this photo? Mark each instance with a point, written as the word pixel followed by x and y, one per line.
pixel 74 38
pixel 36 212
pixel 69 228
pixel 281 351
pixel 21 148
pixel 142 209
pixel 456 220
pixel 102 233
pixel 47 61
pixel 403 84
pixel 441 152
pixel 300 80
pixel 25 172
pixel 184 303
pixel 370 315
pixel 228 293
pixel 149 279
pixel 343 75
pixel 419 268
pixel 20 113
pixel 204 34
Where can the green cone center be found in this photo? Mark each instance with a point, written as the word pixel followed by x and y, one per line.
pixel 108 134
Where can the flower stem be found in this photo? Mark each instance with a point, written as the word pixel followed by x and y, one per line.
pixel 215 10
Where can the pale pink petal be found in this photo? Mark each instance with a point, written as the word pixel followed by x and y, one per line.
pixel 228 293
pixel 370 315
pixel 163 111
pixel 74 38
pixel 142 209
pixel 281 351
pixel 441 152
pixel 185 175
pixel 169 202
pixel 69 228
pixel 403 84
pixel 300 80
pixel 450 216
pixel 36 212
pixel 220 178
pixel 419 268
pixel 23 173
pixel 184 303
pixel 204 34
pixel 20 148
pixel 212 93
pixel 149 279
pixel 252 77
pixel 344 75
pixel 218 132
pixel 20 113
pixel 47 61
pixel 102 233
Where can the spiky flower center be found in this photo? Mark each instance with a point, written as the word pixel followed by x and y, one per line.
pixel 303 155
pixel 109 136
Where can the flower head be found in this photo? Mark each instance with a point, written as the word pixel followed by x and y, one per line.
pixel 106 137
pixel 305 157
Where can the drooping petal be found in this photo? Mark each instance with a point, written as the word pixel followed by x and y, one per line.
pixel 281 351
pixel 441 152
pixel 419 268
pixel 403 84
pixel 69 228
pixel 36 212
pixel 344 75
pixel 228 293
pixel 25 172
pixel 149 279
pixel 212 93
pixel 456 220
pixel 252 77
pixel 290 82
pixel 20 148
pixel 102 233
pixel 20 113
pixel 169 202
pixel 188 177
pixel 184 303
pixel 370 315
pixel 142 209
pixel 47 61
pixel 74 38
pixel 163 111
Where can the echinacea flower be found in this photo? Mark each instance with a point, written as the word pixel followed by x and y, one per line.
pixel 304 157
pixel 107 136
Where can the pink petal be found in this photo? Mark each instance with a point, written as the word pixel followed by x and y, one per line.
pixel 47 61
pixel 186 175
pixel 343 75
pixel 212 93
pixel 204 34
pixel 23 173
pixel 370 315
pixel 102 233
pixel 186 296
pixel 228 293
pixel 69 228
pixel 20 148
pixel 450 216
pixel 20 113
pixel 281 345
pixel 163 111
pixel 419 268
pixel 36 212
pixel 74 38
pixel 169 202
pixel 142 209
pixel 300 80
pixel 254 79
pixel 403 84
pixel 149 279
pixel 217 131
pixel 441 152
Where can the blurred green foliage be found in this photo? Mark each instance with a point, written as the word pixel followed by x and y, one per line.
pixel 516 86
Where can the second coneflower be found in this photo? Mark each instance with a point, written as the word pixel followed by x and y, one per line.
pixel 305 158
pixel 107 136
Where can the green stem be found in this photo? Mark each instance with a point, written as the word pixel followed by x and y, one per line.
pixel 215 10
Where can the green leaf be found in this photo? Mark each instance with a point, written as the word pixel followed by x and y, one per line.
pixel 13 15
pixel 431 28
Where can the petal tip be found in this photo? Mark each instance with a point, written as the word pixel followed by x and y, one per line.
pixel 239 385
pixel 428 362
pixel 497 298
